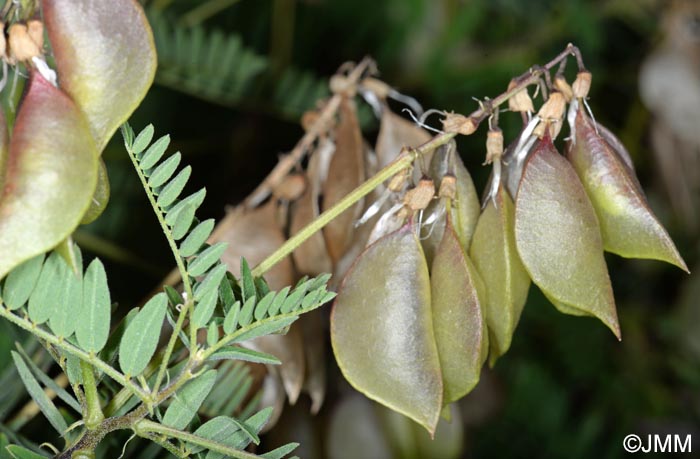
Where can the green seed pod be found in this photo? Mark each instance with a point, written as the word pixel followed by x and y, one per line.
pixel 506 281
pixel 382 332
pixel 558 238
pixel 101 196
pixel 457 293
pixel 628 225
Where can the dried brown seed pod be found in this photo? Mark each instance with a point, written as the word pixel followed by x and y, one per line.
pixel 341 84
pixel 520 101
pixel 448 187
pixel 22 47
pixel 399 180
pixel 291 187
pixel 35 29
pixel 460 124
pixel 582 84
pixel 561 85
pixel 419 197
pixel 308 119
pixel 494 145
pixel 377 87
pixel 552 114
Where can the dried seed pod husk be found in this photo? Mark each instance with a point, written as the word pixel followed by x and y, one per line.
pixel 552 114
pixel 35 29
pixel 558 237
pixel 291 187
pixel 448 187
pixel 506 281
pixel 458 322
pixel 346 172
pixel 381 329
pixel 395 133
pixel 520 101
pixel 494 145
pixel 311 257
pixel 419 197
pixel 22 47
pixel 628 225
pixel 582 84
pixel 454 122
pixel 561 85
pixel 254 234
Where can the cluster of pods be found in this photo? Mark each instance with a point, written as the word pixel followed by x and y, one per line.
pixel 442 284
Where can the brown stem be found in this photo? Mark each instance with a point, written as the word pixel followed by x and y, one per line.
pixel 290 160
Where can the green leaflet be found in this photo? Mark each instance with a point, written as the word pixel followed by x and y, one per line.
pixel 105 57
pixel 183 221
pixel 558 238
pixel 41 300
pixel 248 355
pixel 21 282
pixel 67 297
pixel 92 330
pixel 385 299
pixel 211 281
pixel 173 188
pixel 187 401
pixel 458 322
pixel 202 262
pixel 627 223
pixel 193 242
pixel 505 279
pixel 164 171
pixel 231 432
pixel 282 451
pixel 204 309
pixel 39 396
pixel 142 140
pixel 53 176
pixel 140 338
pixel 154 153
pixel 264 327
pixel 19 452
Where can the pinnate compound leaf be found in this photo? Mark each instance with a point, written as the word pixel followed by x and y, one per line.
pixel 187 401
pixel 39 396
pixel 385 301
pixel 21 281
pixel 458 321
pixel 50 177
pixel 194 241
pixel 105 57
pixel 505 279
pixel 140 338
pixel 627 223
pixel 558 238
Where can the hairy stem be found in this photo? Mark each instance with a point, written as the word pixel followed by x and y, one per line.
pixel 94 415
pixel 144 427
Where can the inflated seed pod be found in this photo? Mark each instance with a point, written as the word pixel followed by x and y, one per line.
pixel 382 332
pixel 457 296
pixel 505 279
pixel 628 225
pixel 558 237
pixel 101 196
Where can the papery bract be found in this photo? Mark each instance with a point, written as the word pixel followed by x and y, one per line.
pixel 381 329
pixel 558 237
pixel 627 223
